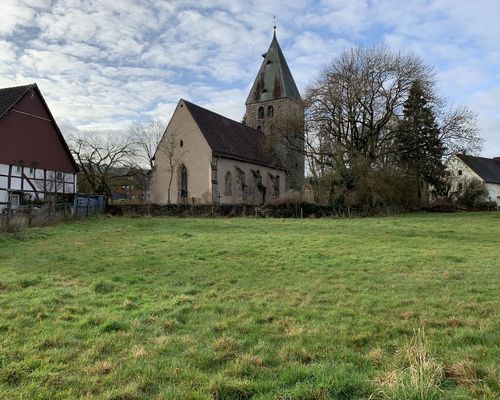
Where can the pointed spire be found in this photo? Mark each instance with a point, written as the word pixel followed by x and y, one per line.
pixel 274 80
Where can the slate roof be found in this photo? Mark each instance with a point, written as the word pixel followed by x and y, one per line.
pixel 231 139
pixel 274 80
pixel 10 96
pixel 487 168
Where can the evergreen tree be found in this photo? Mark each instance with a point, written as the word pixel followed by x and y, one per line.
pixel 420 149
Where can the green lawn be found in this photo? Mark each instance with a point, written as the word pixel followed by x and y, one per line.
pixel 170 308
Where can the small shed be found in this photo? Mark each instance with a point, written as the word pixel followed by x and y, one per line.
pixel 85 205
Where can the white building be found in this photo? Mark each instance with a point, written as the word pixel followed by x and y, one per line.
pixel 464 168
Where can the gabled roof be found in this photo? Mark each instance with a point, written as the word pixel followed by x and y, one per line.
pixel 487 168
pixel 10 96
pixel 230 139
pixel 274 80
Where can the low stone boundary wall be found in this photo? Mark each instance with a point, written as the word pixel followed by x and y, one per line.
pixel 299 210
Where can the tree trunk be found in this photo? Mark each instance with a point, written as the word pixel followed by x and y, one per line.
pixel 169 186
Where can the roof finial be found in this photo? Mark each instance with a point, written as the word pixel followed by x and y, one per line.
pixel 274 24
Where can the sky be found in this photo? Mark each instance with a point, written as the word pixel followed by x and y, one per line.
pixel 102 64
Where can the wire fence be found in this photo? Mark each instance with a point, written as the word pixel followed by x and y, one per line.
pixel 13 219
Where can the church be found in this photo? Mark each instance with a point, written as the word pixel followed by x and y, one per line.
pixel 206 158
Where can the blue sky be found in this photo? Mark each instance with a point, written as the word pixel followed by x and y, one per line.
pixel 102 64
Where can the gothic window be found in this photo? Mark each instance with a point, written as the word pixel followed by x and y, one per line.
pixel 261 188
pixel 242 186
pixel 261 112
pixel 270 111
pixel 257 177
pixel 241 175
pixel 183 183
pixel 228 184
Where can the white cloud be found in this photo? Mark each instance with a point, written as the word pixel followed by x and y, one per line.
pixel 103 63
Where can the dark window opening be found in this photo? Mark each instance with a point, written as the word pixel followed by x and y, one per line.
pixel 459 172
pixel 228 184
pixel 259 128
pixel 184 184
pixel 261 112
pixel 270 111
pixel 182 143
pixel 242 186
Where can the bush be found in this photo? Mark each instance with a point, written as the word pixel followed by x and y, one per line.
pixel 472 192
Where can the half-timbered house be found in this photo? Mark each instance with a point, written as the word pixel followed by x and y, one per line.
pixel 35 160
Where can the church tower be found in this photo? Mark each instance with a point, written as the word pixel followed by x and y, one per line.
pixel 274 106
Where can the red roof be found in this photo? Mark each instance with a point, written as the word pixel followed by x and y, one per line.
pixel 29 134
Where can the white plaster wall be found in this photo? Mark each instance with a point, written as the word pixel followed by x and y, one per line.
pixel 196 156
pixel 455 165
pixel 15 183
pixel 35 177
pixel 4 197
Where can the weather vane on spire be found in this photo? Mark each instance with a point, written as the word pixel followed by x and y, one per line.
pixel 274 23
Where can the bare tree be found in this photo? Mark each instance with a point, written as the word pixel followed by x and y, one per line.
pixel 459 130
pixel 353 112
pixel 172 152
pixel 353 106
pixel 102 160
pixel 146 136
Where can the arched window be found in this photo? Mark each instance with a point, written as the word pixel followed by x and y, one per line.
pixel 228 184
pixel 259 128
pixel 184 183
pixel 261 112
pixel 241 185
pixel 270 111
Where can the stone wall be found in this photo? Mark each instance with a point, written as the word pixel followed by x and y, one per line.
pixel 287 118
pixel 246 191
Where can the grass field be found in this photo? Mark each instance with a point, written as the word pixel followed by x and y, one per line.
pixel 169 308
